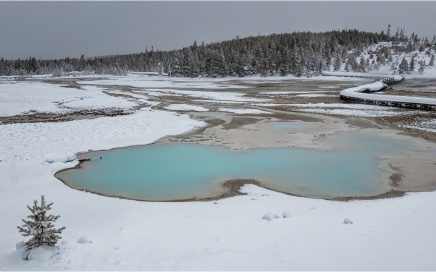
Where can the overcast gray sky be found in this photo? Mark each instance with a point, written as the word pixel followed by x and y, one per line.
pixel 61 29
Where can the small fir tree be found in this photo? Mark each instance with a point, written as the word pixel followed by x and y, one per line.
pixel 338 63
pixel 404 66
pixel 421 67
pixel 412 64
pixel 40 226
pixel 347 67
pixel 431 63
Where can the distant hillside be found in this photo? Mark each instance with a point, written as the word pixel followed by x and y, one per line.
pixel 299 54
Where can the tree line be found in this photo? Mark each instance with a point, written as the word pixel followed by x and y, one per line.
pixel 298 53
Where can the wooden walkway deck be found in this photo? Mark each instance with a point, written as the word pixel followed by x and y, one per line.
pixel 365 95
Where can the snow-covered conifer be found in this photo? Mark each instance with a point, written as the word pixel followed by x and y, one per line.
pixel 40 226
pixel 337 64
pixel 421 67
pixel 347 67
pixel 431 63
pixel 412 64
pixel 404 66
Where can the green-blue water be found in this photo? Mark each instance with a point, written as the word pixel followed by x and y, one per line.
pixel 181 171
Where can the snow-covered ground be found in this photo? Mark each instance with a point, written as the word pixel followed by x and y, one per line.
pixel 152 82
pixel 185 107
pixel 244 111
pixel 263 230
pixel 359 110
pixel 315 95
pixel 23 97
pixel 351 112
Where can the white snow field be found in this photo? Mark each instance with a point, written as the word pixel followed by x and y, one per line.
pixel 262 230
pixel 23 97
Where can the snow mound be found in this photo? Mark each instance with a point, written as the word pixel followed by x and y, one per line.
pixel 21 250
pixel 60 158
pixel 41 254
pixel 347 221
pixel 84 240
pixel 286 214
pixel 270 216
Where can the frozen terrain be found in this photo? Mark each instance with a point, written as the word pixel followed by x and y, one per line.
pixel 262 230
pixel 29 96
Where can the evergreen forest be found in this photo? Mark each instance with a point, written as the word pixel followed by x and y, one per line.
pixel 302 54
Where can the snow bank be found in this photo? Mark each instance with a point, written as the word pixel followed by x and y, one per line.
pixel 51 158
pixel 185 107
pixel 57 141
pixel 34 96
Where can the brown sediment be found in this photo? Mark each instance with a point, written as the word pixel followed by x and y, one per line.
pixel 395 179
pixel 52 118
pixel 362 123
pixel 390 194
pixel 240 121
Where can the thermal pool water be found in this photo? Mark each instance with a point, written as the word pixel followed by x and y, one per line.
pixel 184 171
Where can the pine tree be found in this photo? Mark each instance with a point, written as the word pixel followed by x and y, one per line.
pixel 412 64
pixel 40 226
pixel 338 63
pixel 361 65
pixel 404 66
pixel 431 63
pixel 421 67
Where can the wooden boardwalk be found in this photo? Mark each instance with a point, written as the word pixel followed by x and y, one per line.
pixel 365 95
